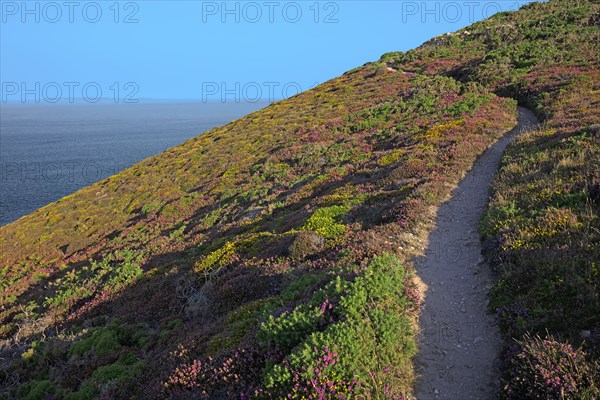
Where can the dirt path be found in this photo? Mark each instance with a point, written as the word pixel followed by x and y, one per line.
pixel 459 341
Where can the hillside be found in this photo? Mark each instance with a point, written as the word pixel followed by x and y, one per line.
pixel 272 256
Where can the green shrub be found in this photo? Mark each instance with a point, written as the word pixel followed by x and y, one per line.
pixel 87 391
pixel 216 258
pixel 365 320
pixel 37 390
pixel 114 272
pixel 149 207
pixel 102 341
pixel 391 157
pixel 178 232
pixel 125 369
pixel 110 339
pixel 323 222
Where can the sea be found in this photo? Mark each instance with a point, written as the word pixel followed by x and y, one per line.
pixel 48 151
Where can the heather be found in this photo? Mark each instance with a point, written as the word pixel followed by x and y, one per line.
pixel 350 337
pixel 281 198
pixel 541 227
pixel 271 257
pixel 549 369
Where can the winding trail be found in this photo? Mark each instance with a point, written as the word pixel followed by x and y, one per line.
pixel 459 342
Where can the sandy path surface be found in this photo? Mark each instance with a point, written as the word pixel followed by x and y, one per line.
pixel 459 341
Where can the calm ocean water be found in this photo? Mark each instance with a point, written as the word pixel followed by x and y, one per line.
pixel 50 151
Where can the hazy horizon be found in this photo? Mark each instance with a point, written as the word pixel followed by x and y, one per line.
pixel 48 151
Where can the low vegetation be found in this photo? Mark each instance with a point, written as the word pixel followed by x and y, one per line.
pixel 271 257
pixel 542 227
pixel 285 274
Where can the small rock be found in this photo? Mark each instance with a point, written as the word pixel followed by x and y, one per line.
pixel 585 334
pixel 477 340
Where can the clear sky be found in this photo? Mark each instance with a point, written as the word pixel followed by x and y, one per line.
pixel 209 50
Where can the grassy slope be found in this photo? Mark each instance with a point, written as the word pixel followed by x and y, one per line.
pixel 294 212
pixel 283 212
pixel 542 226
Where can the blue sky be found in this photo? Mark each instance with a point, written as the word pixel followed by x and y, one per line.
pixel 208 50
